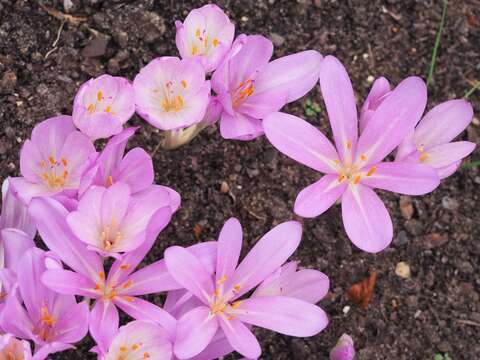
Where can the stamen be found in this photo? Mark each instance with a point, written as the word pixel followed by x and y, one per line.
pixel 109 180
pixel 215 42
pixel 197 33
pixel 175 104
pixel 129 298
pixel 100 96
pixel 372 171
pixel 236 304
pixel 128 284
pixel 43 164
pixel 357 179
pixel 108 109
pixel 222 280
pixel 184 83
pixel 52 160
pixel 146 355
pixel 231 317
pixel 349 145
pixel 123 348
pixel 125 266
pixel 363 157
pixel 90 108
pixel 64 162
pixel 341 178
pixel 194 50
pixel 424 156
pixel 135 347
pixel 46 318
pixel 236 288
pixel 101 274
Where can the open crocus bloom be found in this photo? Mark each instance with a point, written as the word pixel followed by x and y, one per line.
pixel 344 349
pixel 140 340
pixel 250 87
pixel 171 93
pixel 206 34
pixel 354 168
pixel 431 142
pixel 219 295
pixel 111 220
pixel 53 160
pixel 87 277
pixel 51 320
pixel 12 348
pixel 135 168
pixel 102 105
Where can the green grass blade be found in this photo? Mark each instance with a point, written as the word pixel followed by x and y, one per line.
pixel 472 90
pixel 470 165
pixel 437 44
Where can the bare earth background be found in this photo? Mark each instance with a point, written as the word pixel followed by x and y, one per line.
pixel 438 235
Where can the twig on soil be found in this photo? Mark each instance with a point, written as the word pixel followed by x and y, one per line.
pixel 57 39
pixel 472 90
pixel 437 44
pixel 256 216
pixel 74 20
pixel 468 322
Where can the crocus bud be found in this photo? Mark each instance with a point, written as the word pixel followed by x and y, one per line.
pixel 379 92
pixel 344 349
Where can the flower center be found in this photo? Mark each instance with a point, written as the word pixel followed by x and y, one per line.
pixel 133 351
pixel 243 91
pixel 99 105
pixel 423 154
pixel 55 172
pixel 13 351
pixel 220 303
pixel 353 173
pixel 45 326
pixel 110 235
pixel 202 44
pixel 173 100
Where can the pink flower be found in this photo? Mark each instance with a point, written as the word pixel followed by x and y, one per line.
pixel 139 340
pixel 171 93
pixel 344 349
pixel 431 142
pixel 250 87
pixel 51 320
pixel 206 34
pixel 111 220
pixel 354 168
pixel 53 161
pixel 102 105
pixel 119 288
pixel 13 348
pixel 219 296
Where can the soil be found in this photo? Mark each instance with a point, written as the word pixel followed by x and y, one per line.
pixel 436 309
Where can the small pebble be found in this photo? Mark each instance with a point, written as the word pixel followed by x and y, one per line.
pixel 434 240
pixel 346 309
pixel 370 79
pixel 406 206
pixel 449 203
pixel 403 270
pixel 224 187
pixel 401 239
pixel 278 40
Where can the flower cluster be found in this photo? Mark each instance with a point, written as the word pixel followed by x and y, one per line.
pixel 99 212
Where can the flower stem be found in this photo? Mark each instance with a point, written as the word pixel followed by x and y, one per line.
pixel 175 138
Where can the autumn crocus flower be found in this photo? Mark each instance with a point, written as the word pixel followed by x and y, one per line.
pixel 111 220
pixel 220 295
pixel 15 349
pixel 139 340
pixel 344 349
pixel 53 161
pixel 206 34
pixel 171 93
pixel 53 321
pixel 355 167
pixel 87 277
pixel 250 87
pixel 135 168
pixel 102 105
pixel 431 142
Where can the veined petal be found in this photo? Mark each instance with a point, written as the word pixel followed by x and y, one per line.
pixel 104 322
pixel 301 141
pixel 14 319
pixel 26 190
pixel 268 254
pixel 189 272
pixel 443 123
pixel 136 170
pixel 366 219
pixel 320 196
pixel 396 116
pixel 339 99
pixel 73 325
pixel 15 244
pixel 240 337
pixel 446 171
pixel 69 283
pixel 229 247
pixel 443 155
pixel 195 330
pixel 285 315
pixel 240 126
pixel 402 177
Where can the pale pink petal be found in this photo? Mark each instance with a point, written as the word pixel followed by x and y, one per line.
pixel 402 177
pixel 366 219
pixel 195 330
pixel 268 254
pixel 14 319
pixel 379 91
pixel 73 325
pixel 240 337
pixel 315 199
pixel 76 151
pixel 69 283
pixel 446 171
pixel 443 155
pixel 443 123
pixel 136 170
pixel 301 141
pixel 104 322
pixel 189 272
pixel 339 99
pixel 50 135
pixel 285 315
pixel 396 116
pixel 26 190
pixel 229 247
pixel 240 127
pixel 15 243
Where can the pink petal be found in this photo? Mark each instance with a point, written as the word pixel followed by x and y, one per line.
pixel 115 204
pixel 189 272
pixel 195 330
pixel 240 337
pixel 379 91
pixel 403 178
pixel 14 319
pixel 69 283
pixel 301 141
pixel 50 218
pixel 50 135
pixel 366 219
pixel 76 150
pixel 315 199
pixel 229 247
pixel 443 123
pixel 73 325
pixel 446 171
pixel 26 190
pixel 268 254
pixel 339 99
pixel 104 322
pixel 136 170
pixel 393 120
pixel 240 127
pixel 285 315
pixel 443 155
pixel 15 243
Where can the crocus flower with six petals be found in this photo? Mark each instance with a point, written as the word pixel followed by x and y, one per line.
pixel 219 296
pixel 355 167
pixel 102 105
pixel 206 34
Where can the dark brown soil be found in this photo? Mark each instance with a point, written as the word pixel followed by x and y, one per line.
pixel 437 310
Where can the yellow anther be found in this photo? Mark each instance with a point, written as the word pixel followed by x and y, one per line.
pixel 215 42
pixel 205 41
pixel 146 355
pixel 127 284
pixel 236 288
pixel 216 293
pixel 90 108
pixel 129 298
pixel 99 96
pixel 125 266
pixel 372 171
pixel 101 274
pixel 123 348
pixel 197 33
pixel 363 157
pixel 109 180
pixel 236 304
pixel 52 160
pixel 46 318
pixel 230 318
pixel 108 109
pixel 97 286
pixel 194 50
pixel 222 280
pixel 135 347
pixel 64 162
pixel 357 179
pixel 184 83
pixel 175 104
pixel 424 156
pixel 349 145
pixel 341 178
